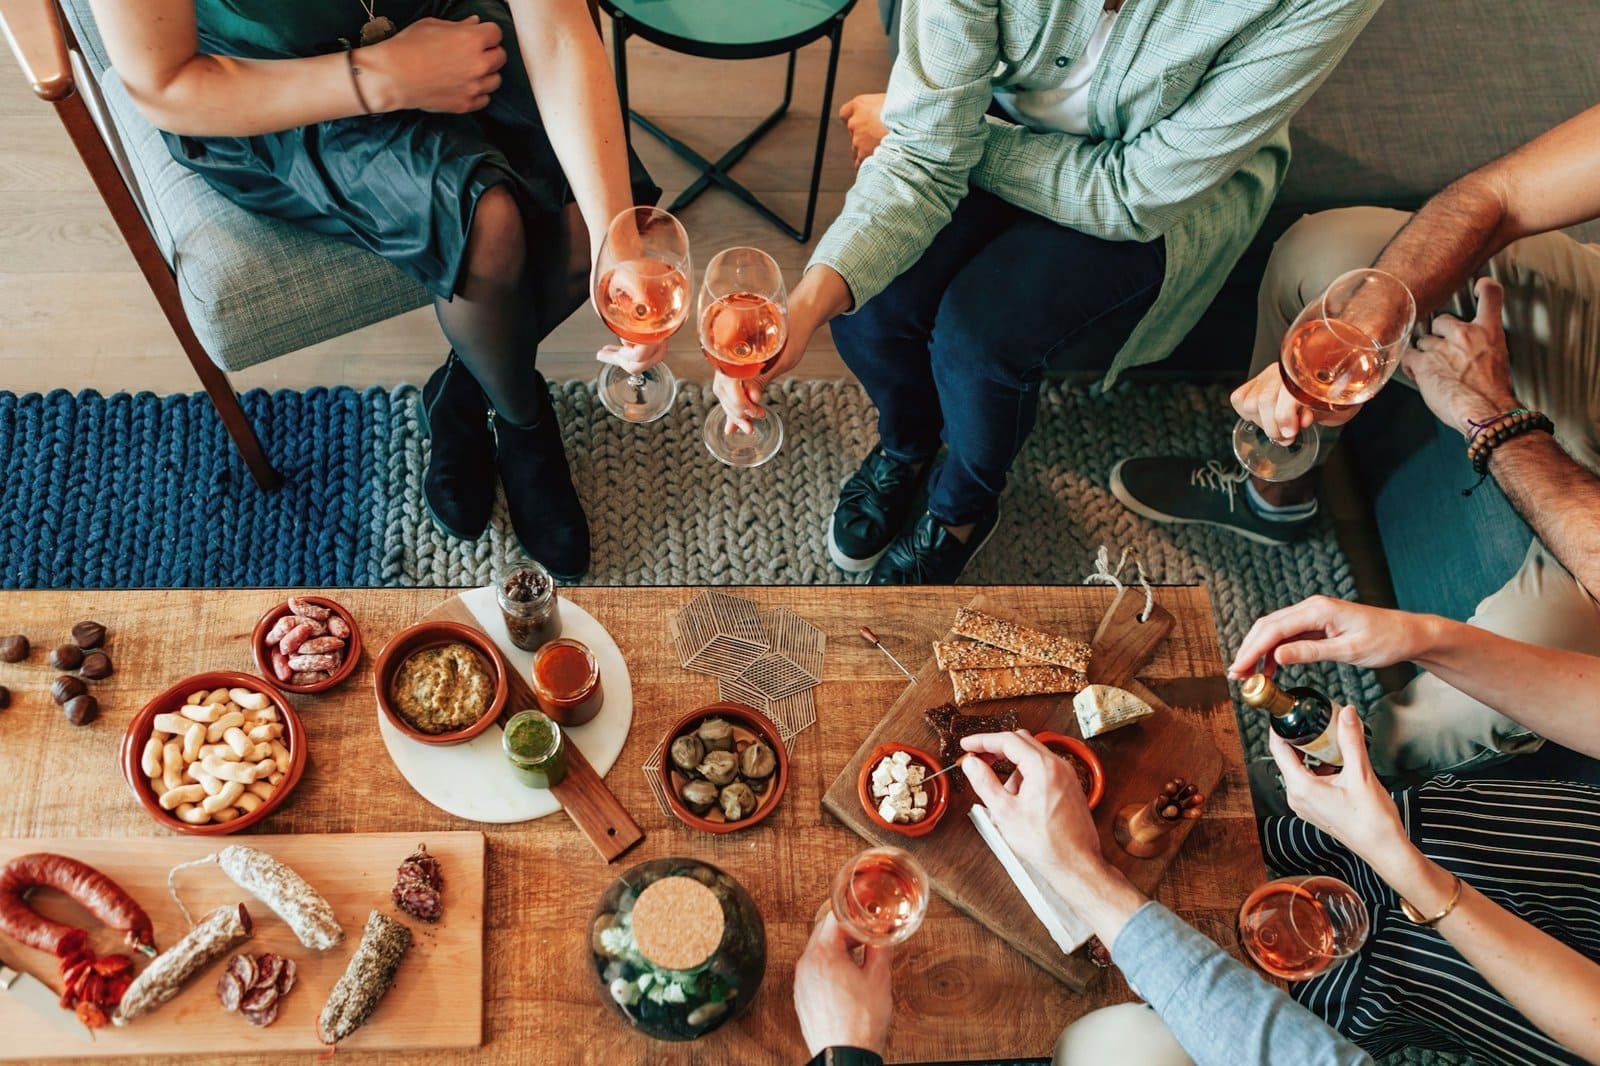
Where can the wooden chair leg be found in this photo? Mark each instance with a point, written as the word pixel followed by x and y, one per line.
pixel 74 115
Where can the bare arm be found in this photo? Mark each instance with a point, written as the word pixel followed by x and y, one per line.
pixel 1555 693
pixel 154 47
pixel 1554 986
pixel 577 99
pixel 1464 373
pixel 1551 182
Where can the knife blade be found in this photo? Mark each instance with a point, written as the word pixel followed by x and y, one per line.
pixel 19 987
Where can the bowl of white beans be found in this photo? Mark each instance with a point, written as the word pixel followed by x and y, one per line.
pixel 214 754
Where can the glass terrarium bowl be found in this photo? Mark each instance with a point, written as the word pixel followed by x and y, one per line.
pixel 679 948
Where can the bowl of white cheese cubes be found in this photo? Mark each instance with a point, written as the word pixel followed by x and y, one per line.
pixel 899 792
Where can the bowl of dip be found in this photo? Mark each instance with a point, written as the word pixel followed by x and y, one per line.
pixel 440 682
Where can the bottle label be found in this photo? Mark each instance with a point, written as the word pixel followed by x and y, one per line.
pixel 1325 748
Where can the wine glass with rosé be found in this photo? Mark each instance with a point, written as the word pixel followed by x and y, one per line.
pixel 1298 927
pixel 641 292
pixel 880 896
pixel 744 320
pixel 1339 352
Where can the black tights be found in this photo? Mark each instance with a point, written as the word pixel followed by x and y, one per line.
pixel 493 319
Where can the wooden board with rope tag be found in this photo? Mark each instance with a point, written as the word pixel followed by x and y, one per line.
pixel 592 806
pixel 1138 760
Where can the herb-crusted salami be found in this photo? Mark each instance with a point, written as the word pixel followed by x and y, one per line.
pixel 168 972
pixel 372 969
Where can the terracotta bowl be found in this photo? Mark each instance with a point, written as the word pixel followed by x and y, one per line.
pixel 1060 743
pixel 133 742
pixel 748 724
pixel 352 648
pixel 425 635
pixel 938 790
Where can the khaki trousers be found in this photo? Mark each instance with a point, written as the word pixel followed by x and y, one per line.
pixel 1552 322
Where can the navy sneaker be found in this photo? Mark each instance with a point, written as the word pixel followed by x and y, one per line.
pixel 873 506
pixel 929 554
pixel 458 485
pixel 1206 492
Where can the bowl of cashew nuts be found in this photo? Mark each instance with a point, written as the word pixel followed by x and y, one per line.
pixel 214 754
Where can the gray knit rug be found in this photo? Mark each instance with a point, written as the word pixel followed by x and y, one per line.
pixel 664 512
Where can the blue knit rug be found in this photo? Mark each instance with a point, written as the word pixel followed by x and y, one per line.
pixel 143 490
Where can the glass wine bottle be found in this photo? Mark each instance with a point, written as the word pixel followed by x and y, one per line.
pixel 1302 716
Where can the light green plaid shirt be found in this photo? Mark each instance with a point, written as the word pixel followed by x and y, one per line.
pixel 1188 113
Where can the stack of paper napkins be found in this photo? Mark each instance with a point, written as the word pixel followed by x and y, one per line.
pixel 1069 931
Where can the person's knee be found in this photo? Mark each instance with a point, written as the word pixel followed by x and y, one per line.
pixel 1319 247
pixel 977 342
pixel 496 244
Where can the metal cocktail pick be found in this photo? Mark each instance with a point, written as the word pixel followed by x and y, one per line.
pixel 872 638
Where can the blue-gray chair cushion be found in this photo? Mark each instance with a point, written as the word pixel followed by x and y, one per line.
pixel 254 288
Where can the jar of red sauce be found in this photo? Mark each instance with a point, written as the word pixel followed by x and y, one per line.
pixel 566 682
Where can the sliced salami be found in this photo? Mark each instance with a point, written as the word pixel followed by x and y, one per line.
pixel 244 968
pixel 229 990
pixel 268 967
pixel 287 977
pixel 259 999
pixel 264 1017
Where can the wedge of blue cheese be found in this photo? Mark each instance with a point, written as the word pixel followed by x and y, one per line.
pixel 1102 708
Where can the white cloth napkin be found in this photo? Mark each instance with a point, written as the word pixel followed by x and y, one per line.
pixel 1069 931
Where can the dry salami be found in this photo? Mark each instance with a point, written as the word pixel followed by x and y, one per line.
pixel 285 892
pixel 229 991
pixel 244 968
pixel 262 1018
pixel 372 969
pixel 287 977
pixel 168 972
pixel 97 893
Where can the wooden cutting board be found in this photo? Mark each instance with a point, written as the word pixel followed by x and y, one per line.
pixel 436 1001
pixel 1138 760
pixel 592 806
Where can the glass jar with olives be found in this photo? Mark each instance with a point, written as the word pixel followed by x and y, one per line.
pixel 529 605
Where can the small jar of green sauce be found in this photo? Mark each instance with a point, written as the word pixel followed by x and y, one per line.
pixel 536 749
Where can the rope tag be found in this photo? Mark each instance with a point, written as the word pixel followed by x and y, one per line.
pixel 1105 574
pixel 172 888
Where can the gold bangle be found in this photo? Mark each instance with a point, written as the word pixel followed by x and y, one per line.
pixel 1417 917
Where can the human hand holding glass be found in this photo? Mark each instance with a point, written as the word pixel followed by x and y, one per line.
pixel 744 322
pixel 641 292
pixel 1339 352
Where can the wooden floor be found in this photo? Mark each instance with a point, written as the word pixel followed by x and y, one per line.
pixel 75 313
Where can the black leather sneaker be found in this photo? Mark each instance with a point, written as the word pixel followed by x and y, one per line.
pixel 929 554
pixel 1207 492
pixel 458 485
pixel 873 506
pixel 545 510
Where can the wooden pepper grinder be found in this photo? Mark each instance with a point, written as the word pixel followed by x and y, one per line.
pixel 1141 828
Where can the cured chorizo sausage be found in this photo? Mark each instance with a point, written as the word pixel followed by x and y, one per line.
pixel 97 893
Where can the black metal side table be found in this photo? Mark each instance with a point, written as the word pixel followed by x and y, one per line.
pixel 733 29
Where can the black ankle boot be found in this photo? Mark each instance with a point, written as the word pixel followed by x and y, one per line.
pixel 544 506
pixel 459 482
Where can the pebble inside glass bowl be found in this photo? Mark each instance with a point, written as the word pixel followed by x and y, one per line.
pixel 679 948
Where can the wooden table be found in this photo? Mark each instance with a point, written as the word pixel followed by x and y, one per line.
pixel 960 993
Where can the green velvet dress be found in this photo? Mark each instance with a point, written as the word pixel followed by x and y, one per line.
pixel 402 184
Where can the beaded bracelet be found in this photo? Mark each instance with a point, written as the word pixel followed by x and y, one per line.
pixel 1490 435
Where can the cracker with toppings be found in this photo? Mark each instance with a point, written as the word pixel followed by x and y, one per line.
pixel 1022 640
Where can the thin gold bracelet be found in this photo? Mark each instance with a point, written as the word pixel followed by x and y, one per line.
pixel 1417 917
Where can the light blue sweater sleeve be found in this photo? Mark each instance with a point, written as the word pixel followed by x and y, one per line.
pixel 1220 1011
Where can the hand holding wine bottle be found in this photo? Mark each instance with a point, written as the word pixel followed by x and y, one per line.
pixel 1352 806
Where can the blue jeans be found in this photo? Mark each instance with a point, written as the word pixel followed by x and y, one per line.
pixel 955 348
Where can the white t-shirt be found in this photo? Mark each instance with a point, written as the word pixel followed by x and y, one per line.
pixel 1065 108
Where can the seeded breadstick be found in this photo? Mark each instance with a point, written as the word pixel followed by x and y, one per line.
pixel 980 686
pixel 1021 640
pixel 970 655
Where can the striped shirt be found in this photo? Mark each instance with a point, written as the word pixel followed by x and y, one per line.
pixel 1531 847
pixel 1188 141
